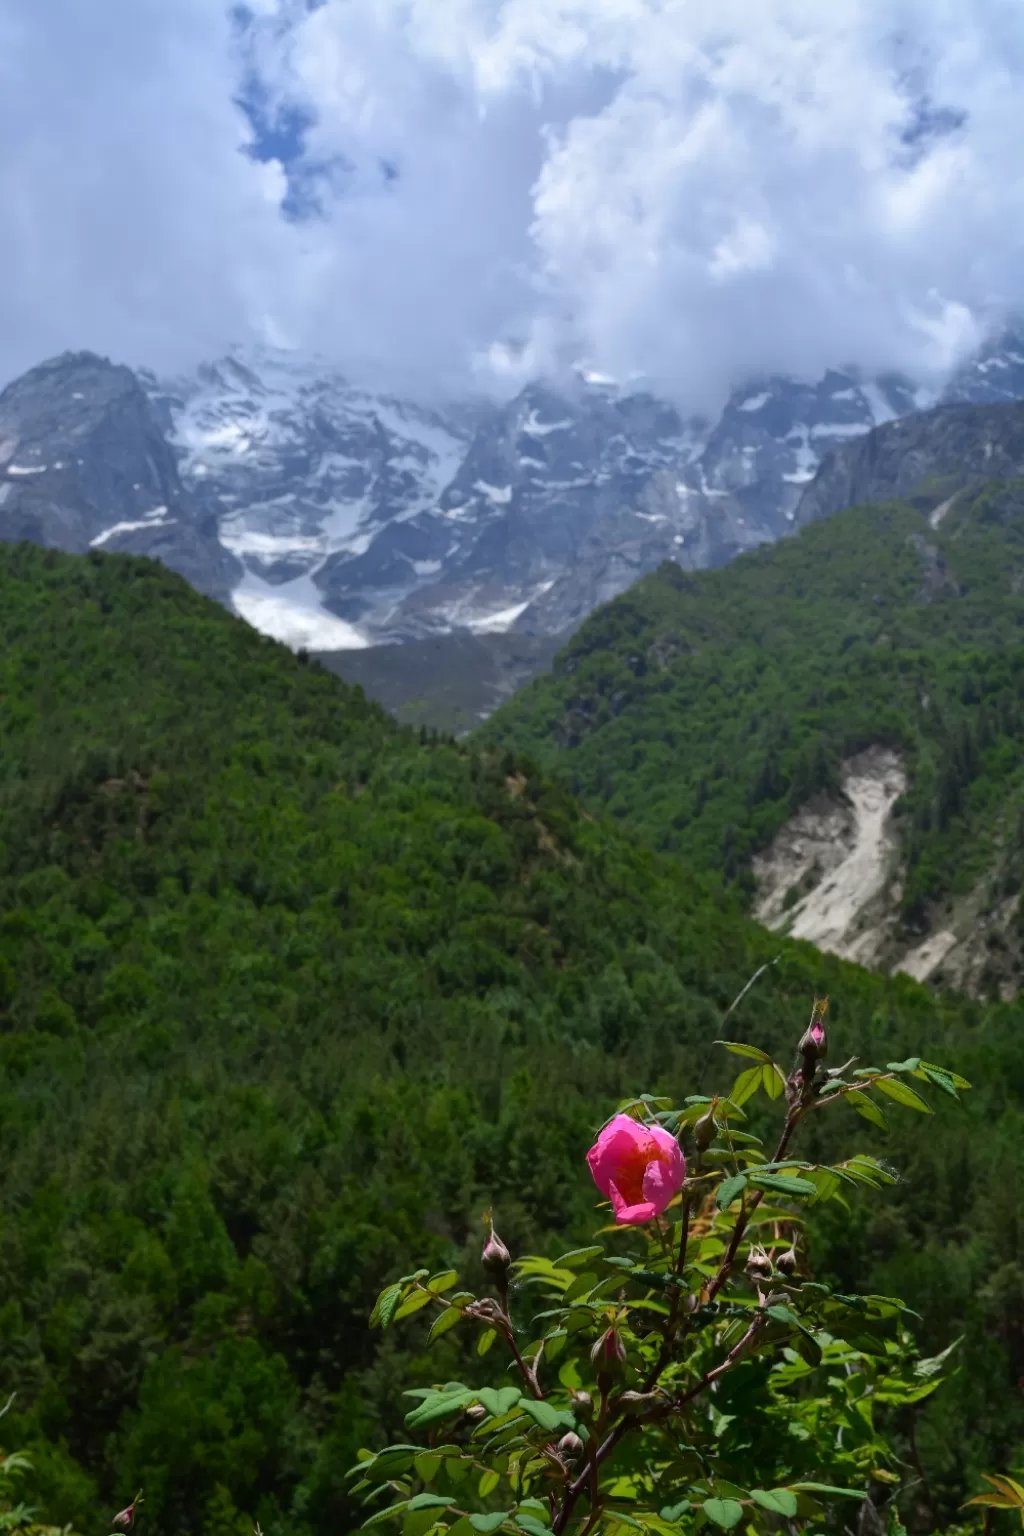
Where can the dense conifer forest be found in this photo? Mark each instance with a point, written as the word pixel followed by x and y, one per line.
pixel 704 709
pixel 289 994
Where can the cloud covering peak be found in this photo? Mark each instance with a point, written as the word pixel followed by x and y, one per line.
pixel 440 192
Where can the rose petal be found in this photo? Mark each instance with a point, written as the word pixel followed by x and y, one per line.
pixel 631 1215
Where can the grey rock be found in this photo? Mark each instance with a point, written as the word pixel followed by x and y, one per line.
pixel 84 464
pixel 930 456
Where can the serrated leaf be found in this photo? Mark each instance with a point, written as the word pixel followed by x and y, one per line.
pixel 954 1077
pixel 384 1309
pixel 448 1318
pixel 783 1183
pixel 910 1065
pixel 868 1109
pixel 903 1094
pixel 740 1048
pixel 442 1282
pixel 778 1501
pixel 413 1303
pixel 723 1512
pixel 729 1189
pixel 746 1085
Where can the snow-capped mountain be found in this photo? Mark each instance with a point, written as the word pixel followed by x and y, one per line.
pixel 335 518
pixel 360 519
pixel 84 463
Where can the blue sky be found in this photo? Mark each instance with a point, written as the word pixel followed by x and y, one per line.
pixel 446 195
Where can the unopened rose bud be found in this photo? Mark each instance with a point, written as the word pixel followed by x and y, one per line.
pixel 705 1130
pixel 496 1258
pixel 125 1517
pixel 609 1353
pixel 813 1045
pixel 582 1404
pixel 759 1265
pixel 570 1447
pixel 475 1412
pixel 787 1262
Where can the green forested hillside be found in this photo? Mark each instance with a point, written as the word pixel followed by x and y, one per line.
pixel 704 709
pixel 289 995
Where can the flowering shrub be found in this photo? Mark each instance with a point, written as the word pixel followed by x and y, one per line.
pixel 685 1371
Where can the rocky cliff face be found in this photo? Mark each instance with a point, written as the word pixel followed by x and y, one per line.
pixel 84 464
pixel 335 518
pixel 361 519
pixel 934 454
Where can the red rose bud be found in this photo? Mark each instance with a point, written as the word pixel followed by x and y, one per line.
pixel 814 1040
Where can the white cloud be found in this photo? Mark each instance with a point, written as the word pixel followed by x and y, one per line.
pixel 692 190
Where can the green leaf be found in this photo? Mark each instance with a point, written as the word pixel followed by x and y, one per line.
pixel 442 1282
pixel 418 1522
pixel 841 1493
pixel 729 1189
pixel 532 1525
pixel 910 1065
pixel 384 1310
pixel 485 1341
pixel 903 1094
pixel 868 1109
pixel 826 1184
pixel 578 1256
pixel 489 1480
pixel 386 1514
pixel 953 1077
pixel 746 1085
pixel 413 1304
pixel 429 1501
pixel 724 1512
pixel 783 1183
pixel 426 1466
pixel 448 1318
pixel 739 1048
pixel 543 1414
pixel 438 1406
pixel 580 1286
pixel 498 1400
pixel 672 1512
pixel 487 1523
pixel 778 1501
pixel 773 1080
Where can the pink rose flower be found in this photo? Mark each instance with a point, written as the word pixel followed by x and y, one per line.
pixel 638 1167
